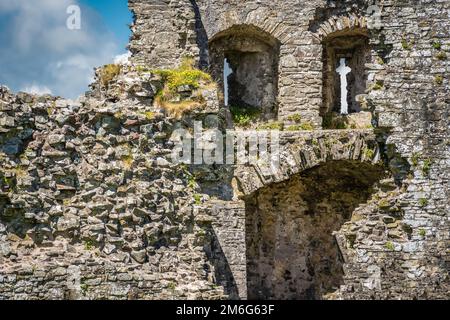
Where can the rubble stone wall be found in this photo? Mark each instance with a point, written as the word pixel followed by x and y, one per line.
pixel 91 206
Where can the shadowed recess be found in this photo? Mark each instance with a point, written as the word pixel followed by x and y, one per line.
pixel 291 250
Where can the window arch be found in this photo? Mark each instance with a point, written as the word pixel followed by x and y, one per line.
pixel 344 49
pixel 244 59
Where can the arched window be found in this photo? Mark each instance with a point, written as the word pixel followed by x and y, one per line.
pixel 345 55
pixel 244 59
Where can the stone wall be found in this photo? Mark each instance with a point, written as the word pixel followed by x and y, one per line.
pixel 300 27
pixel 91 207
pixel 291 250
pixel 164 31
pixel 253 59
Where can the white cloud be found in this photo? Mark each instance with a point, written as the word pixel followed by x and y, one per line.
pixel 122 58
pixel 39 49
pixel 36 89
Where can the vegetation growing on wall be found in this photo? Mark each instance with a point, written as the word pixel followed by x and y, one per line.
pixel 108 73
pixel 244 116
pixel 185 75
pixel 181 88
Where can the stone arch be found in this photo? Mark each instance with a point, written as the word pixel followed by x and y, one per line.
pixel 291 250
pixel 337 26
pixel 253 56
pixel 247 29
pixel 301 151
pixel 342 168
pixel 259 18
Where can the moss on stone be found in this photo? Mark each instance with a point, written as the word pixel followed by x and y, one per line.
pixel 305 126
pixel 271 126
pixel 378 85
pixel 383 204
pixel 89 245
pixel 172 286
pixel 297 118
pixel 127 161
pixel 423 202
pixel 407 45
pixel 244 116
pixel 422 233
pixel 390 246
pixel 441 56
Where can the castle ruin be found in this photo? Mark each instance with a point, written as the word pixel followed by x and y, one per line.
pixel 91 207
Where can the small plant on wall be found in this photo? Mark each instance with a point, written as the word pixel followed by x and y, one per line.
pixel 108 73
pixel 244 116
pixel 182 87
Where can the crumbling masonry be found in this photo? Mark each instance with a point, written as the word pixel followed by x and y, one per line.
pixel 91 206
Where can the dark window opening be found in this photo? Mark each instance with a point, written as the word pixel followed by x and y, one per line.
pixel 291 249
pixel 344 59
pixel 245 60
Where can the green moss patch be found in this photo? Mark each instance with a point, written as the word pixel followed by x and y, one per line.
pixel 244 116
pixel 185 75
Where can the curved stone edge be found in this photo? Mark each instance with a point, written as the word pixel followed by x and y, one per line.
pixel 301 151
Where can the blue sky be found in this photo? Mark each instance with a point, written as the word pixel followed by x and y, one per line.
pixel 116 16
pixel 40 54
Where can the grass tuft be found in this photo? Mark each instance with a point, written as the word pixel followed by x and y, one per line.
pixel 184 78
pixel 436 45
pixel 439 79
pixel 244 116
pixel 426 167
pixel 108 73
pixel 271 126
